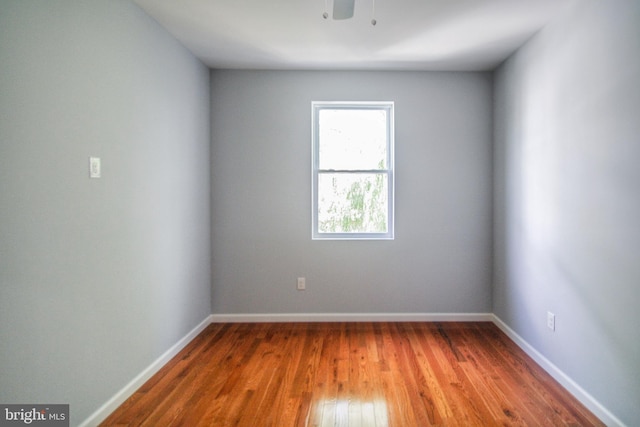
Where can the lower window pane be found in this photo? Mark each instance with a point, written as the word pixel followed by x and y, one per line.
pixel 352 203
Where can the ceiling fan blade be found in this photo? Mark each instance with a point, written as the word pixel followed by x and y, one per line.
pixel 343 9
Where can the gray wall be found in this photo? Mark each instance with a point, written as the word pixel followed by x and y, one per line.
pixel 568 198
pixel 440 261
pixel 97 277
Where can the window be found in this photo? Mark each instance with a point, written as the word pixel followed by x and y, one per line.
pixel 352 166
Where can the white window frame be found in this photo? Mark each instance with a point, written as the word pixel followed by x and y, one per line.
pixel 388 106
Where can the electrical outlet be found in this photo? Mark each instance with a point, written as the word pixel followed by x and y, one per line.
pixel 302 285
pixel 551 321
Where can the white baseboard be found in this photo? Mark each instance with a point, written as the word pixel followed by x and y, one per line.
pixel 578 392
pixel 112 404
pixel 353 317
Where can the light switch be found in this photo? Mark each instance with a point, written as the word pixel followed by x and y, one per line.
pixel 94 167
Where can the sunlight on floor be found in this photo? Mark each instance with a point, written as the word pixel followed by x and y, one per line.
pixel 349 412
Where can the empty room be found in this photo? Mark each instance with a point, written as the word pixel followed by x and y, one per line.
pixel 320 212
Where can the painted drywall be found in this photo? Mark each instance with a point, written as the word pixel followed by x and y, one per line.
pixel 98 277
pixel 567 211
pixel 440 260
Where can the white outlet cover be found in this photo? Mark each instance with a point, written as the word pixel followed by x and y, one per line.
pixel 551 321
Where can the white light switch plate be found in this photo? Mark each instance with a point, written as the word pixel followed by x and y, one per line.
pixel 94 167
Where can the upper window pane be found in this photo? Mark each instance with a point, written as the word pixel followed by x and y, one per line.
pixel 352 139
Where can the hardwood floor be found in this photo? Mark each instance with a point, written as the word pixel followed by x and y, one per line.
pixel 352 374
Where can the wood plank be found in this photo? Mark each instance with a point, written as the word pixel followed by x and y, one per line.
pixel 352 374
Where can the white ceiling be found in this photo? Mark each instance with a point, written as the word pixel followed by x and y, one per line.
pixel 410 34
